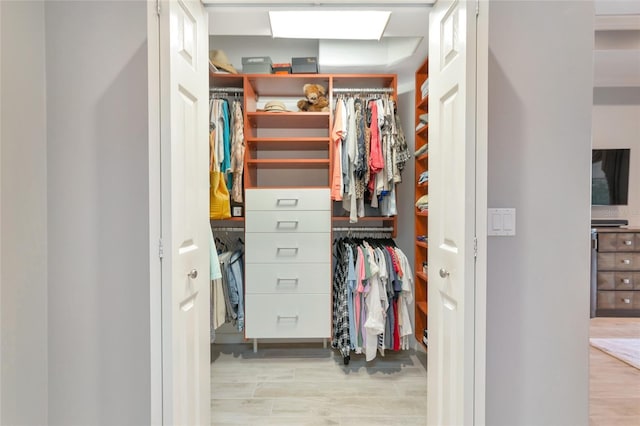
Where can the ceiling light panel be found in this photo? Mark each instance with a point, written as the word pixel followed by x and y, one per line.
pixel 328 24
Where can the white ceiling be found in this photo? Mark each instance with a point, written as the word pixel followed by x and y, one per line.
pixel 404 44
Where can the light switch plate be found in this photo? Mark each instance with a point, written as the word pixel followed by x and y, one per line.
pixel 501 222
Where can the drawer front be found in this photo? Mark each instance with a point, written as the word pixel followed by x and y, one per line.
pixel 288 199
pixel 636 280
pixel 606 300
pixel 287 248
pixel 287 316
pixel 607 241
pixel 626 242
pixel 606 281
pixel 618 300
pixel 618 261
pixel 288 221
pixel 619 241
pixel 626 280
pixel 627 300
pixel 618 280
pixel 272 278
pixel 627 261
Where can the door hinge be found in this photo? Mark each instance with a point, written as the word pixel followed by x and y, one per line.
pixel 158 7
pixel 160 249
pixel 477 7
pixel 475 247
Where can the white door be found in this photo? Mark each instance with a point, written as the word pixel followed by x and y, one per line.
pixel 184 70
pixel 452 214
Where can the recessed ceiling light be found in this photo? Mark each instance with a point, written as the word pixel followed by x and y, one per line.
pixel 329 24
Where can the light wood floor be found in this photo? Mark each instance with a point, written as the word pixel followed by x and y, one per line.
pixel 614 386
pixel 306 385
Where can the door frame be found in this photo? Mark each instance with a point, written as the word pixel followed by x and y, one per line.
pixel 482 169
pixel 155 284
pixel 155 214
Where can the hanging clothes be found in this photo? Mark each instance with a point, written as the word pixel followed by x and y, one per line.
pixel 230 293
pixel 373 280
pixel 237 152
pixel 369 154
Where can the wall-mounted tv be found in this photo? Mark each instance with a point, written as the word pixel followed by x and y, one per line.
pixel 610 177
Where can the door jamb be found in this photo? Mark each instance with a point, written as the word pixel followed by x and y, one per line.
pixel 155 215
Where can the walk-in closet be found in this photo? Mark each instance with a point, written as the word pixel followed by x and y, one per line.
pixel 318 307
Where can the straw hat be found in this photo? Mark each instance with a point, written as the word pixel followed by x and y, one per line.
pixel 219 59
pixel 275 106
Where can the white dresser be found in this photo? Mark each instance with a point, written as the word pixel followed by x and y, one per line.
pixel 288 263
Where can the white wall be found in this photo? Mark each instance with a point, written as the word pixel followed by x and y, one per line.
pixel 279 50
pixel 618 126
pixel 98 213
pixel 23 212
pixel 540 102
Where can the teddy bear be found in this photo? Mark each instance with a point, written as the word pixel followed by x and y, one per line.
pixel 315 101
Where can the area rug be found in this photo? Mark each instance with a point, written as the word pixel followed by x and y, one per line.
pixel 626 350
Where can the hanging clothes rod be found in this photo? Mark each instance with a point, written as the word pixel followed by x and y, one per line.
pixel 226 90
pixel 363 229
pixel 363 90
pixel 227 229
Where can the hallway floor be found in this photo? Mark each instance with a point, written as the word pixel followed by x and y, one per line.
pixel 614 386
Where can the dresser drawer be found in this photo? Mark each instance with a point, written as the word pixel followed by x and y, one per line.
pixel 619 241
pixel 618 280
pixel 288 248
pixel 618 300
pixel 288 221
pixel 287 316
pixel 288 199
pixel 618 261
pixel 273 278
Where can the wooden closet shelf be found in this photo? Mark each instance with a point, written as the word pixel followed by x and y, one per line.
pixel 422 157
pixel 424 213
pixel 297 143
pixel 422 307
pixel 424 103
pixel 364 219
pixel 423 130
pixel 302 163
pixel 288 120
pixel 422 244
pixel 225 80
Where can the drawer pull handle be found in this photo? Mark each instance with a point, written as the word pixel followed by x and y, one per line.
pixel 626 261
pixel 287 202
pixel 290 224
pixel 293 281
pixel 626 300
pixel 627 242
pixel 625 281
pixel 288 317
pixel 294 249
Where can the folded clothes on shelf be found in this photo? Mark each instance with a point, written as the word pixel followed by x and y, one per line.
pixel 420 125
pixel 421 238
pixel 424 177
pixel 423 202
pixel 422 150
pixel 424 118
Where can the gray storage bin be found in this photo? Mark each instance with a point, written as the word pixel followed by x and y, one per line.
pixel 308 65
pixel 256 65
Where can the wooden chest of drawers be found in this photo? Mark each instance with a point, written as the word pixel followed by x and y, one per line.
pixel 618 273
pixel 288 263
